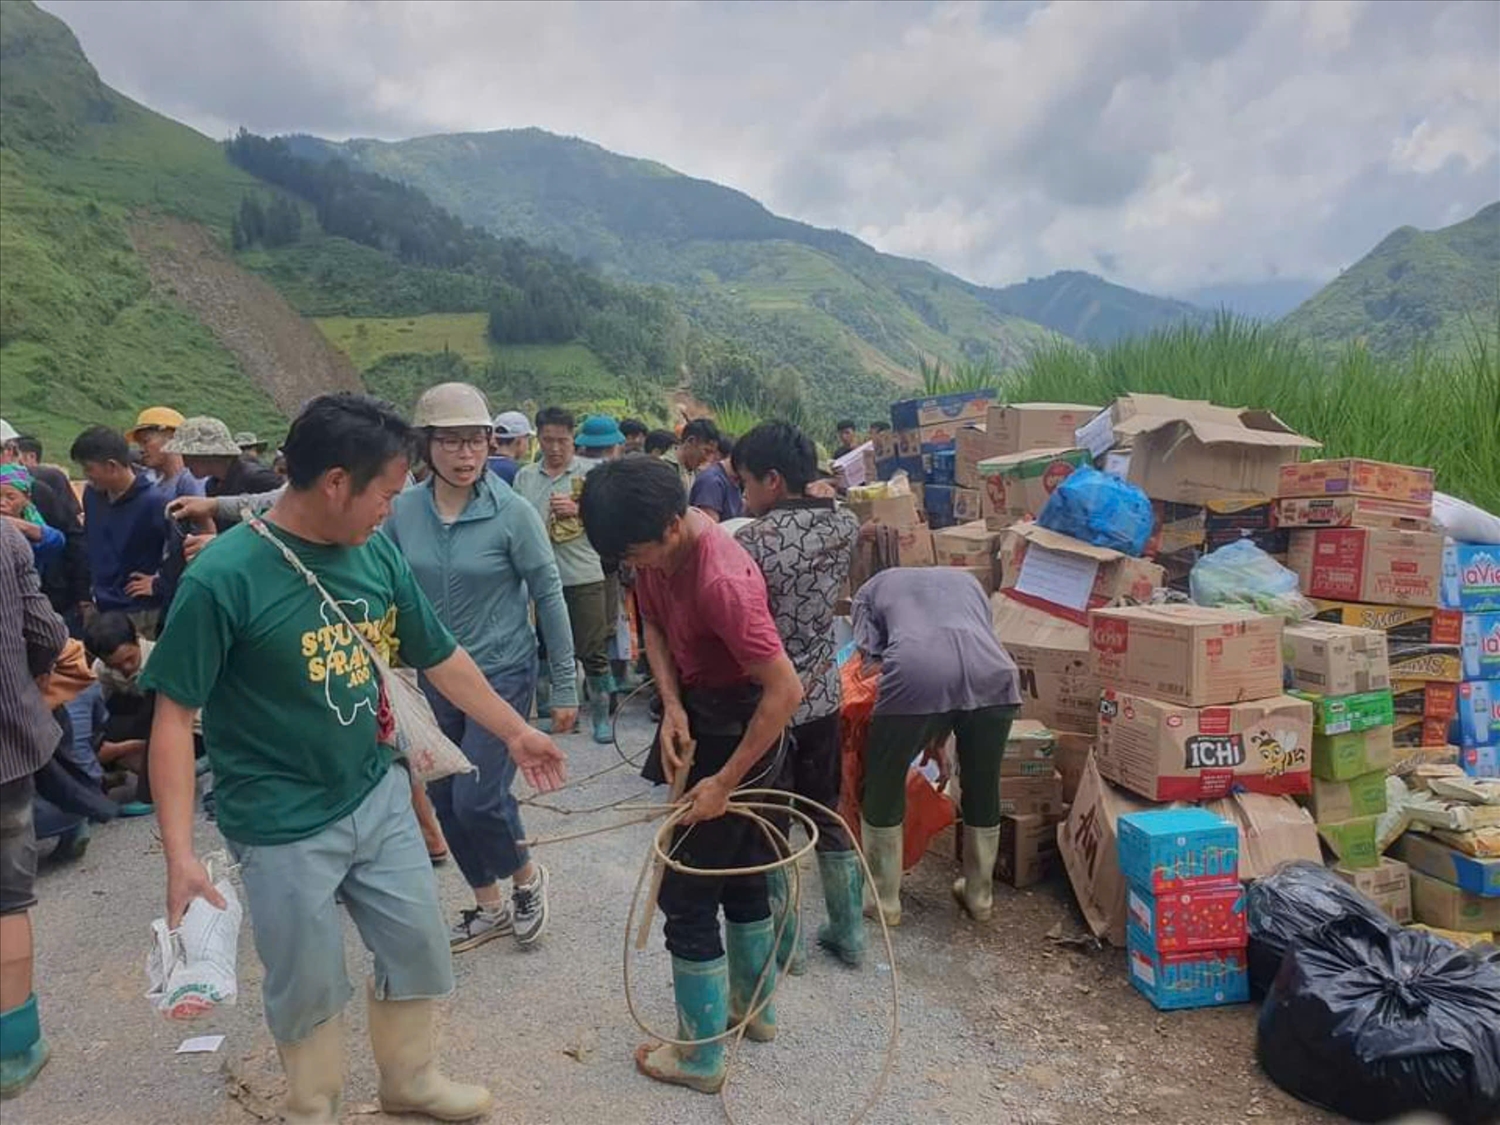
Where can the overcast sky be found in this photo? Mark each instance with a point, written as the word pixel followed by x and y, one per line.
pixel 1165 145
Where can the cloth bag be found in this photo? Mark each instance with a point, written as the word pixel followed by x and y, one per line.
pixel 427 750
pixel 191 969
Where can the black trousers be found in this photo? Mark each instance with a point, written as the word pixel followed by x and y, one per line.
pixel 814 768
pixel 691 903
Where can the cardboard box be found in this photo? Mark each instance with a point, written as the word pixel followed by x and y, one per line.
pixel 1187 654
pixel 1481 761
pixel 1353 841
pixel 915 468
pixel 1405 626
pixel 1073 750
pixel 942 467
pixel 1168 850
pixel 968 505
pixel 1361 564
pixel 1477 875
pixel 1210 917
pixel 1425 699
pixel 1480 650
pixel 1087 840
pixel 937 501
pixel 1179 527
pixel 1352 476
pixel 1028 850
pixel 959 406
pixel 1335 659
pixel 1405 760
pixel 969 544
pixel 1195 979
pixel 893 511
pixel 1387 884
pixel 1360 795
pixel 984 575
pixel 1193 452
pixel 1471 577
pixel 1030 751
pixel 885 445
pixel 941 437
pixel 915 547
pixel 1340 757
pixel 1344 714
pixel 1249 513
pixel 1017 485
pixel 972 444
pixel 1273 831
pixel 1412 732
pixel 1451 908
pixel 1273 543
pixel 1020 426
pixel 1354 511
pixel 1166 751
pixel 1479 713
pixel 1031 796
pixel 1056 676
pixel 1039 567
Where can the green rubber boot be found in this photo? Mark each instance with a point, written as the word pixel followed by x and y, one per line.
pixel 843 893
pixel 883 853
pixel 791 953
pixel 23 1051
pixel 702 992
pixel 975 890
pixel 749 946
pixel 598 692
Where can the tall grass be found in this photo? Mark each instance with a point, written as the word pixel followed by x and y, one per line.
pixel 1422 409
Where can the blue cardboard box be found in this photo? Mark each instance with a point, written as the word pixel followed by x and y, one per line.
pixel 1202 978
pixel 944 463
pixel 915 468
pixel 959 406
pixel 1471 577
pixel 1174 849
pixel 937 499
pixel 1481 646
pixel 1479 713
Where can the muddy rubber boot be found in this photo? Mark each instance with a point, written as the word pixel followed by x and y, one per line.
pixel 403 1034
pixel 598 691
pixel 749 946
pixel 975 891
pixel 23 1051
pixel 791 953
pixel 701 989
pixel 843 934
pixel 314 1075
pixel 883 853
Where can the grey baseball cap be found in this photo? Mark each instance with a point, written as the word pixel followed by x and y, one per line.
pixel 202 437
pixel 512 423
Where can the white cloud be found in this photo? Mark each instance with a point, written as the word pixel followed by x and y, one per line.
pixel 1182 143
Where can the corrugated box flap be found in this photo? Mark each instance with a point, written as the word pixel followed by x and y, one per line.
pixel 1211 424
pixel 1034 532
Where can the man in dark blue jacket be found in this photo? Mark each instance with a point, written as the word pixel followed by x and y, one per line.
pixel 125 520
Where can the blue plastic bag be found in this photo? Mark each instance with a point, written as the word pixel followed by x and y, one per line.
pixel 1099 509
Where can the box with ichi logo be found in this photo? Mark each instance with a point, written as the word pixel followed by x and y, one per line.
pixel 1168 752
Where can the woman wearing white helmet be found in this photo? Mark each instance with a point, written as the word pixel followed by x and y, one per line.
pixel 479 552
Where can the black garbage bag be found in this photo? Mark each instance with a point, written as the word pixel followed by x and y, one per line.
pixel 1294 900
pixel 1375 1021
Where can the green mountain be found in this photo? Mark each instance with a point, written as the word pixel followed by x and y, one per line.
pixel 1088 308
pixel 797 291
pixel 1436 288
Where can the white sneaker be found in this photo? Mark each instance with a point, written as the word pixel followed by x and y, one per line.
pixel 476 926
pixel 529 907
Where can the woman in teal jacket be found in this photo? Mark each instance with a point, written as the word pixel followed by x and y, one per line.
pixel 481 555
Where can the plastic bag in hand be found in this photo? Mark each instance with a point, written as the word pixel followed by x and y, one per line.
pixel 1099 509
pixel 191 969
pixel 1241 574
pixel 1375 1021
pixel 1290 903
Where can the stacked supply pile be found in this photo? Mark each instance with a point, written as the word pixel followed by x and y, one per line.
pixel 1453 852
pixel 1345 673
pixel 1362 544
pixel 1186 928
pixel 1471 586
pixel 1010 431
pixel 1031 804
pixel 901 536
pixel 924 445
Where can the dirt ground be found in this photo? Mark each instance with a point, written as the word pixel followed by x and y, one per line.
pixel 1007 1023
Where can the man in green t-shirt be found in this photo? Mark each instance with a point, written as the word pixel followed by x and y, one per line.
pixel 299 733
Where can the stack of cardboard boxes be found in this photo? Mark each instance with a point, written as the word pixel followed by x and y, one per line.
pixel 1345 673
pixel 1186 932
pixel 1471 587
pixel 1362 544
pixel 924 443
pixel 1031 804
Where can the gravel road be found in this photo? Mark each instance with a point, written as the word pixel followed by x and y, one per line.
pixel 999 1024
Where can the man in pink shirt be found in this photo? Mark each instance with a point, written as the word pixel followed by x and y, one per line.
pixel 728 692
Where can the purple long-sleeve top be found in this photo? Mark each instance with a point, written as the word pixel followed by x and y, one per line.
pixel 930 629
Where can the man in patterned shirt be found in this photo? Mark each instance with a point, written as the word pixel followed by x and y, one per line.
pixel 803 546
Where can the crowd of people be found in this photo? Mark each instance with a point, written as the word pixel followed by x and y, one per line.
pixel 196 631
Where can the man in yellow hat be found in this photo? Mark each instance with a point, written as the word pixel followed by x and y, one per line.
pixel 153 429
